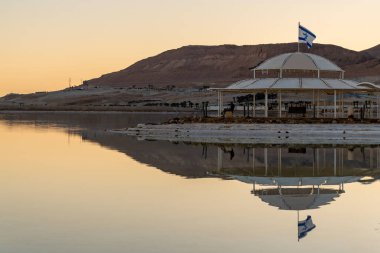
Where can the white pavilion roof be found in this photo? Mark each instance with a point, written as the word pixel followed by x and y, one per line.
pixel 299 61
pixel 300 83
pixel 303 202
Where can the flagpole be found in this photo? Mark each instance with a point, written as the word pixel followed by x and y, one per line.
pixel 298 217
pixel 298 34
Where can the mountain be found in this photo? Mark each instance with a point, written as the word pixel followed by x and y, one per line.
pixel 374 51
pixel 192 66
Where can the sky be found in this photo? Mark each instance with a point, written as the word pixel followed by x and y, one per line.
pixel 44 43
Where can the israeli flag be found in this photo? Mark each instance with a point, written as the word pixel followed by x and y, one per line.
pixel 305 226
pixel 306 36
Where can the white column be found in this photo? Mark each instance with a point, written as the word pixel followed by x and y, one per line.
pixel 254 106
pixel 378 106
pixel 219 106
pixel 220 159
pixel 334 161
pixel 253 160
pixel 334 104
pixel 313 103
pixel 266 103
pixel 266 160
pixel 317 161
pixel 220 103
pixel 279 161
pixel 313 161
pixel 280 104
pixel 317 109
pixel 342 104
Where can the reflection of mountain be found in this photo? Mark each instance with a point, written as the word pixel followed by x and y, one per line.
pixel 296 178
pixel 180 159
pixel 198 160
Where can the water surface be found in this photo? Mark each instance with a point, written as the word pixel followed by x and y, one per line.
pixel 68 185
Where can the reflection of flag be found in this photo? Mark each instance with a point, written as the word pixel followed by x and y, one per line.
pixel 306 36
pixel 305 226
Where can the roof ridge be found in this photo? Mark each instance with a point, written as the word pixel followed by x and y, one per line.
pixel 328 85
pixel 286 60
pixel 344 81
pixel 324 58
pixel 307 55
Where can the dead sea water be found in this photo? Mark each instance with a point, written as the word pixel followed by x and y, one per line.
pixel 68 185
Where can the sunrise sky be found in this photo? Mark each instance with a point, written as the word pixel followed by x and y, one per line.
pixel 45 42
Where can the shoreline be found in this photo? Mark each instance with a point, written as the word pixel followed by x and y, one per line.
pixel 274 121
pixel 97 109
pixel 193 117
pixel 295 134
pixel 3 112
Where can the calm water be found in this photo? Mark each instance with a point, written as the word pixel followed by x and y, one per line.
pixel 69 186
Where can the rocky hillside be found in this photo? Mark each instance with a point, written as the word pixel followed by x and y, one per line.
pixel 219 65
pixel 374 51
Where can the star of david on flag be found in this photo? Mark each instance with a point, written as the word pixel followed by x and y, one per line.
pixel 306 36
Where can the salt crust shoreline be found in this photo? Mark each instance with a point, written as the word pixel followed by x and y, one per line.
pixel 346 134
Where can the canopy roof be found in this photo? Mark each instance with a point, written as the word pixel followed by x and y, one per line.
pixel 300 202
pixel 300 83
pixel 297 198
pixel 301 63
pixel 298 61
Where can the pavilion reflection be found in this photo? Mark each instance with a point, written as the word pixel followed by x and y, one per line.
pixel 301 178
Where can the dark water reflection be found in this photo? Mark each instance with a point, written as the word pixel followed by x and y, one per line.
pixel 301 179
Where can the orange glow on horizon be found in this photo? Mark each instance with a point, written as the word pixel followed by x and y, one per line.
pixel 46 42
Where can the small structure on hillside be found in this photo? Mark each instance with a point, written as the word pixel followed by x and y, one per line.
pixel 304 77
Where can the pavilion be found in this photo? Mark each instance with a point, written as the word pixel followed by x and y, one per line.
pixel 315 77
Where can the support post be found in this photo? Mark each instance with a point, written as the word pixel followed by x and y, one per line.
pixel 342 104
pixel 378 106
pixel 334 161
pixel 313 103
pixel 318 103
pixel 317 161
pixel 254 105
pixel 253 160
pixel 334 104
pixel 280 104
pixel 266 104
pixel 220 159
pixel 266 161
pixel 279 161
pixel 219 105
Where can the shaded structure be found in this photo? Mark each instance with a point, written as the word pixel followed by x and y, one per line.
pixel 316 84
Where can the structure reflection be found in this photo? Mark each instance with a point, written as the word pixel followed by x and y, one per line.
pixel 289 178
pixel 297 178
pixel 301 178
